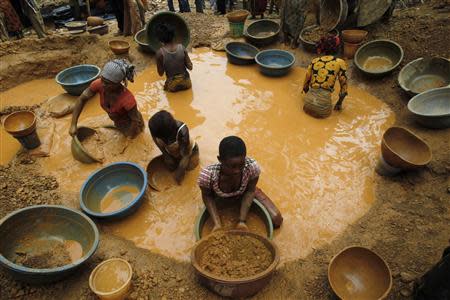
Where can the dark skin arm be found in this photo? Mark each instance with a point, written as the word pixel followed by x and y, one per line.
pixel 246 202
pixel 187 60
pixel 135 121
pixel 208 200
pixel 185 152
pixel 84 97
pixel 160 62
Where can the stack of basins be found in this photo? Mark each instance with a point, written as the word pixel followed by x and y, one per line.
pixel 352 40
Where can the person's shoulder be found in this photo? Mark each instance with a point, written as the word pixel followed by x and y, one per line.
pixel 96 85
pixel 252 165
pixel 206 175
pixel 342 64
pixel 128 99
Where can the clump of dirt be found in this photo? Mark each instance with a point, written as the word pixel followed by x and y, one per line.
pixel 419 30
pixel 235 256
pixel 10 109
pixel 45 254
pixel 315 34
pixel 21 186
pixel 93 146
pixel 205 28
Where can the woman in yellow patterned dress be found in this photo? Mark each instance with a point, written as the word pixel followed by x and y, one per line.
pixel 319 83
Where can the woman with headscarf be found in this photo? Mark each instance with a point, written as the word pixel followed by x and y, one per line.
pixel 115 98
pixel 321 77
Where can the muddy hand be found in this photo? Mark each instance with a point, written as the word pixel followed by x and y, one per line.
pixel 216 228
pixel 242 226
pixel 73 130
pixel 179 176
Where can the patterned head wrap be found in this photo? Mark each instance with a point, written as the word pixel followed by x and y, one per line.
pixel 118 70
pixel 328 45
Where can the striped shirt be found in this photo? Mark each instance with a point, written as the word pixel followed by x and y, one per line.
pixel 209 178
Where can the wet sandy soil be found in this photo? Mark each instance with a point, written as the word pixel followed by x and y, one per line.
pixel 407 225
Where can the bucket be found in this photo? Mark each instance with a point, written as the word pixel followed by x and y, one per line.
pixel 237 29
pixel 350 49
pixel 385 169
pixel 22 126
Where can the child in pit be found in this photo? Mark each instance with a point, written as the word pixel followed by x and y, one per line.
pixel 172 59
pixel 180 152
pixel 233 180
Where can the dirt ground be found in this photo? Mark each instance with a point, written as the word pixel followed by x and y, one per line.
pixel 408 225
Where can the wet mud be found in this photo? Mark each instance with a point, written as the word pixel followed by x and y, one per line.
pixel 234 256
pixel 319 175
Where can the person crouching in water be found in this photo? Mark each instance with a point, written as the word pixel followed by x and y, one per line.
pixel 321 77
pixel 115 98
pixel 233 181
pixel 172 59
pixel 180 152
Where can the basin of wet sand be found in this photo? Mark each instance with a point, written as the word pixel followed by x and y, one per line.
pixel 318 172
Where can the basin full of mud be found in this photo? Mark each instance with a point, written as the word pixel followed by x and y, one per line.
pixel 234 256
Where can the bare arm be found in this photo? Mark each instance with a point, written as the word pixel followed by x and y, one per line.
pixel 185 152
pixel 208 200
pixel 247 199
pixel 307 79
pixel 187 60
pixel 136 121
pixel 160 62
pixel 84 97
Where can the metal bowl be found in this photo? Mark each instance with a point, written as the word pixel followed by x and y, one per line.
pixel 359 273
pixel 432 108
pixel 235 288
pixel 119 46
pixel 75 80
pixel 404 150
pixel 182 33
pixel 262 32
pixel 40 223
pixel 424 74
pixel 78 151
pixel 275 62
pixel 256 207
pixel 76 25
pixel 142 40
pixel 379 57
pixel 108 179
pixel 309 45
pixel 333 13
pixel 241 53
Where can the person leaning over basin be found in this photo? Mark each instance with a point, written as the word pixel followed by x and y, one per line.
pixel 180 152
pixel 321 77
pixel 115 98
pixel 233 181
pixel 172 59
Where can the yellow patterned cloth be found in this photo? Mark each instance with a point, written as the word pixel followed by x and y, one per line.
pixel 178 83
pixel 323 72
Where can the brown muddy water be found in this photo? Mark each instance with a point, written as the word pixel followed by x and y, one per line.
pixel 318 172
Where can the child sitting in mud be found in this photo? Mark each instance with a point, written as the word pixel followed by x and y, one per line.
pixel 233 180
pixel 179 150
pixel 172 59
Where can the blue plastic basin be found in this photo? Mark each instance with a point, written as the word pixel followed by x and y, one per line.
pixel 45 222
pixel 76 79
pixel 110 178
pixel 275 62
